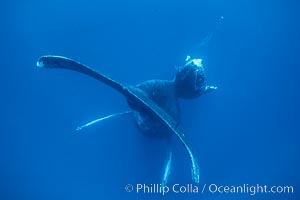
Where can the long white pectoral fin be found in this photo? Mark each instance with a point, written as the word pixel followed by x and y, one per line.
pixel 102 119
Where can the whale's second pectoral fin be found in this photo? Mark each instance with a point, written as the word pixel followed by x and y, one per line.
pixel 102 119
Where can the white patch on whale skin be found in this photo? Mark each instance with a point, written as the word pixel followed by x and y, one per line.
pixel 197 62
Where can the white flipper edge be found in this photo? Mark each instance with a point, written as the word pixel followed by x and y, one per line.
pixel 167 169
pixel 101 119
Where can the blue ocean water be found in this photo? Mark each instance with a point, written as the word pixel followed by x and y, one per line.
pixel 246 132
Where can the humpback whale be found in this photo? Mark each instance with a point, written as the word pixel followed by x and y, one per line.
pixel 153 103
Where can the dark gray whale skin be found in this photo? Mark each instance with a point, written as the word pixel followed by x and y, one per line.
pixel 163 93
pixel 155 102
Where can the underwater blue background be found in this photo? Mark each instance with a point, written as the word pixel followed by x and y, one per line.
pixel 246 132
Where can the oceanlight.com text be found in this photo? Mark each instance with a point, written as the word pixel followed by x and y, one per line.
pixel 249 189
pixel 208 188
